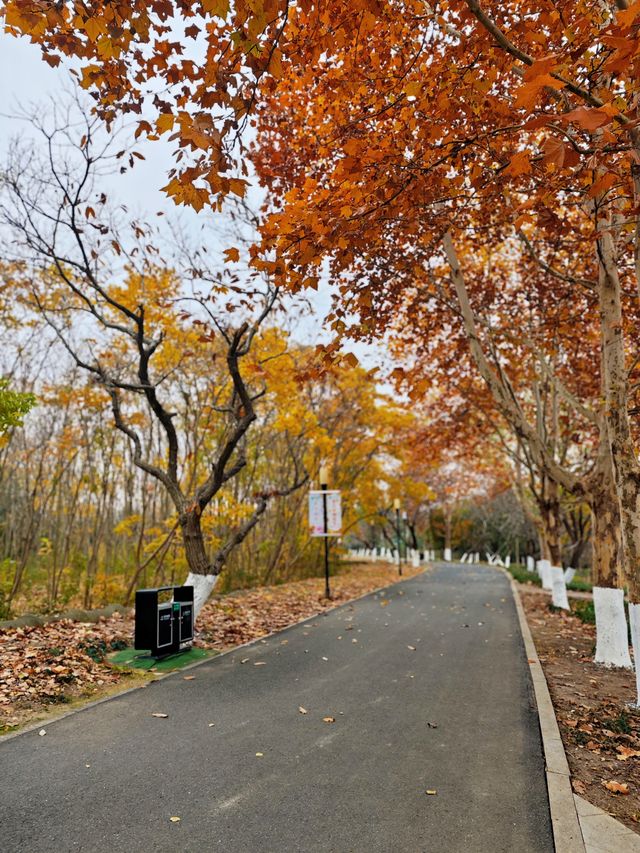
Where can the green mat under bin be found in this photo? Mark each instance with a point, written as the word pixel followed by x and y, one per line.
pixel 135 659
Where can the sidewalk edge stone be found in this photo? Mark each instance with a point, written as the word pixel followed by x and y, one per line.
pixel 567 832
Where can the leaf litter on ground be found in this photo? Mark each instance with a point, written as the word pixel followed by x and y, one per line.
pixel 44 665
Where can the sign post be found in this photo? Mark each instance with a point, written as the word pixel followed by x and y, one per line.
pixel 396 506
pixel 327 590
pixel 325 519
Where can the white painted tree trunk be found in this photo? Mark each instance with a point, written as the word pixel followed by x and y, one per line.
pixel 634 621
pixel 531 566
pixel 569 574
pixel 202 588
pixel 545 574
pixel 612 642
pixel 415 559
pixel 558 588
pixel 447 555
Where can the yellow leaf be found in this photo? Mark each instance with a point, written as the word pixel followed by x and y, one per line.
pixel 220 8
pixel 616 787
pixel 238 186
pixel 165 122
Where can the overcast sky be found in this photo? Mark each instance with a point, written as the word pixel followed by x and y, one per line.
pixel 26 79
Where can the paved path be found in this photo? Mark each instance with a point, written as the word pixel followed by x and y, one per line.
pixel 110 777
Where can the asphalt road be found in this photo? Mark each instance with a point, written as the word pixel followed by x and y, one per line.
pixel 454 714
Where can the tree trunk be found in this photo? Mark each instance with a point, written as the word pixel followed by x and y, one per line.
pixel 200 576
pixel 625 463
pixel 551 521
pixel 606 541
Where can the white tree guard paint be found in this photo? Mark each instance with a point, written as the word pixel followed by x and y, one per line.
pixel 531 565
pixel 634 621
pixel 202 588
pixel 507 561
pixel 558 588
pixel 447 555
pixel 569 574
pixel 545 574
pixel 612 643
pixel 415 560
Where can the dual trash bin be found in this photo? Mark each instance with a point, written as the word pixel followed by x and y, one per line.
pixel 164 619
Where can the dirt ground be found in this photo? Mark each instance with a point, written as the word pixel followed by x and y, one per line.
pixel 600 730
pixel 46 668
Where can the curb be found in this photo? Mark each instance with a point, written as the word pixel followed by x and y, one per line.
pixel 567 834
pixel 30 727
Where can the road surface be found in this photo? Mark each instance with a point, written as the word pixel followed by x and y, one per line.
pixel 430 691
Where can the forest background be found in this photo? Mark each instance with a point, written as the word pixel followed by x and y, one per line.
pixel 80 525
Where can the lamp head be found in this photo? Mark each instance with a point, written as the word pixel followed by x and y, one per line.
pixel 396 503
pixel 323 476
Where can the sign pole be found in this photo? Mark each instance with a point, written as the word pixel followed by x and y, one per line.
pixel 327 590
pixel 397 508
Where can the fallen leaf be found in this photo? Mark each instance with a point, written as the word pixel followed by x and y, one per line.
pixel 431 791
pixel 627 752
pixel 174 819
pixel 42 732
pixel 259 754
pixel 189 677
pixel 571 723
pixel 211 725
pixel 578 786
pixel 432 725
pixel 160 716
pixel 302 710
pixel 412 648
pixel 245 660
pixel 325 658
pixel 616 787
pixel 328 719
pixel 260 663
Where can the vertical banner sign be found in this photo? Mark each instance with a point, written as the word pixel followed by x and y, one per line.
pixel 334 513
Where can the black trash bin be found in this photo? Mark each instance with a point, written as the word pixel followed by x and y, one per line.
pixel 164 619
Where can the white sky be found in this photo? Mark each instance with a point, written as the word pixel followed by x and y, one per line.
pixel 26 79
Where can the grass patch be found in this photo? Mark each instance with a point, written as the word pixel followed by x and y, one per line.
pixel 579 585
pixel 519 573
pixel 99 649
pixel 620 724
pixel 584 610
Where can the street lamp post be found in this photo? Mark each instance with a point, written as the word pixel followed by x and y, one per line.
pixel 324 483
pixel 396 506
